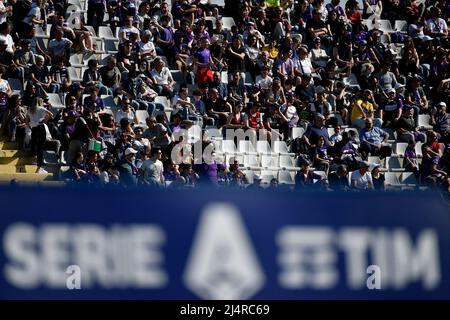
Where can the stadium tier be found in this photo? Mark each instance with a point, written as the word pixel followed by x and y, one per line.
pixel 295 95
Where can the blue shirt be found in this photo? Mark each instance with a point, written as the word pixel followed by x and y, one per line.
pixel 374 135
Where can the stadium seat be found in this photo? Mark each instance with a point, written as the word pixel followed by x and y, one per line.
pixel 106 33
pixel 164 101
pixel 401 25
pixel 418 149
pixel 15 84
pixel 55 100
pixel 409 179
pixel 286 177
pixel 269 161
pixel 297 132
pixel 228 22
pixel 392 179
pixel 228 147
pixel 394 164
pixel 224 77
pixel 109 102
pixel 383 25
pixel 267 175
pixel 251 161
pixel 287 162
pixel 75 74
pixel 424 122
pixel 281 148
pixel 213 133
pixel 246 147
pixel 141 116
pixel 399 148
pixel 263 147
pixel 249 174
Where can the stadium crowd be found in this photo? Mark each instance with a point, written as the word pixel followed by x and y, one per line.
pixel 107 85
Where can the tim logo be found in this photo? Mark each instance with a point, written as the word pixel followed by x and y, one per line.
pixel 223 264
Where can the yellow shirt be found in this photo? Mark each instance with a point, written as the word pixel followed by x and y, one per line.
pixel 366 106
pixel 273 53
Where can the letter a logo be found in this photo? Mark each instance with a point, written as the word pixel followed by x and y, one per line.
pixel 223 264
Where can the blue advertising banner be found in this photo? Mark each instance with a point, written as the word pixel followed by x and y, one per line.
pixel 148 244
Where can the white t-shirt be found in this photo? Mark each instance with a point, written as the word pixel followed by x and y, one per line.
pixel 58 47
pixel 145 48
pixel 304 66
pixel 362 182
pixel 438 25
pixel 9 42
pixel 37 117
pixel 120 114
pixel 162 77
pixel 128 31
pixel 265 83
pixel 153 170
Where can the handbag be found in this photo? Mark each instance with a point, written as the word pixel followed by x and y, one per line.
pixel 94 145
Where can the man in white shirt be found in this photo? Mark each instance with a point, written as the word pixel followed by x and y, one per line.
pixel 362 179
pixel 152 169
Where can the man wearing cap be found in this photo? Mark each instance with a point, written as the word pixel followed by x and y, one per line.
pixel 127 169
pixel 441 122
pixel 372 139
pixel 392 109
pixel 361 179
pixel 314 132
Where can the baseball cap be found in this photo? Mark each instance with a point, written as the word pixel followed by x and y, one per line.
pixel 129 151
pixel 257 177
pixel 316 40
pixel 442 104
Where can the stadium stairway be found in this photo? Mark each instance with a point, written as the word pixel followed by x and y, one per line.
pixel 16 167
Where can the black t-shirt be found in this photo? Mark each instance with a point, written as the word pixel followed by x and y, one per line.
pixel 219 105
pixel 273 120
pixel 40 73
pixel 129 61
pixel 59 74
pixel 312 24
pixel 234 63
pixel 406 124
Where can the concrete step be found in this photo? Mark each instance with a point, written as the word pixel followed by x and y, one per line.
pixel 14 153
pixel 49 183
pixel 4 145
pixel 25 177
pixel 6 168
pixel 14 161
